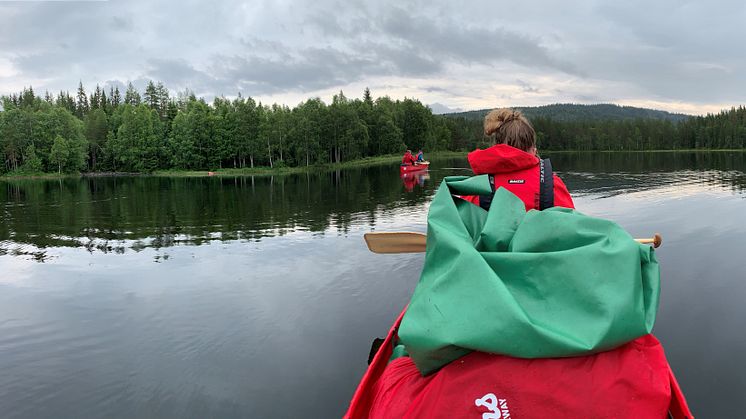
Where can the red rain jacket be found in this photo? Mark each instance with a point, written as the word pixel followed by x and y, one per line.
pixel 516 171
pixel 633 381
pixel 408 159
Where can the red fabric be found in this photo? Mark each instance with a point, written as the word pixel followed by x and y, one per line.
pixel 362 400
pixel 632 381
pixel 408 158
pixel 409 181
pixel 516 171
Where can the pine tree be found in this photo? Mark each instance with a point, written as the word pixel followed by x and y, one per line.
pixel 27 98
pixel 104 101
pixel 95 102
pixel 163 100
pixel 151 96
pixel 81 104
pixel 131 96
pixel 115 98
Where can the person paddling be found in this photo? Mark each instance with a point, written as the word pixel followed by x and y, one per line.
pixel 513 164
pixel 408 158
pixel 420 156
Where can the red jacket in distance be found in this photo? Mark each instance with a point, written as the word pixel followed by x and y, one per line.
pixel 408 159
pixel 516 171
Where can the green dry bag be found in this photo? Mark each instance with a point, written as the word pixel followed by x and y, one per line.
pixel 536 284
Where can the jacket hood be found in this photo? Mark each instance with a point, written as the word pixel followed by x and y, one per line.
pixel 500 158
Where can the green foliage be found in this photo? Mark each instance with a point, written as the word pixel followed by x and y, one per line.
pixel 725 130
pixel 571 112
pixel 59 153
pixel 96 132
pixel 31 162
pixel 191 142
pixel 81 103
pixel 153 132
pixel 132 96
pixel 138 143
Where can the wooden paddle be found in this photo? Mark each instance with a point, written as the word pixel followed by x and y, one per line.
pixel 415 242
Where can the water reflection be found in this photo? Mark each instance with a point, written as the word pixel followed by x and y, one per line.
pixel 410 180
pixel 114 215
pixel 609 174
pixel 117 215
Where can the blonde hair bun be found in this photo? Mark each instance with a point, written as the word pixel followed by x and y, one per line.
pixel 496 118
pixel 510 127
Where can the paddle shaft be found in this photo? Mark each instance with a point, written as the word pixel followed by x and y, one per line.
pixel 407 242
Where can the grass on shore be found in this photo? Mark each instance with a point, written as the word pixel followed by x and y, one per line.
pixel 266 171
pixel 37 175
pixel 246 171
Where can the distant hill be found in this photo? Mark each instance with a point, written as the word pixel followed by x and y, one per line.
pixel 568 112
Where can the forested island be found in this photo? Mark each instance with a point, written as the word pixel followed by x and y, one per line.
pixel 145 132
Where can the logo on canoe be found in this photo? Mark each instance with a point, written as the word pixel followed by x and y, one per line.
pixel 516 181
pixel 497 408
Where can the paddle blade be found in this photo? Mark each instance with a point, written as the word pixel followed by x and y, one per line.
pixel 395 242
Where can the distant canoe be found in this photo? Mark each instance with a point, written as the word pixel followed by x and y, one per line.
pixel 412 168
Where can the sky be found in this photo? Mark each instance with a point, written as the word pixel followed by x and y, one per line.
pixel 681 56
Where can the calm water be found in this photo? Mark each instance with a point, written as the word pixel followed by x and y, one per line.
pixel 240 297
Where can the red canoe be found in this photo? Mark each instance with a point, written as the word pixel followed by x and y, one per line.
pixel 633 379
pixel 419 167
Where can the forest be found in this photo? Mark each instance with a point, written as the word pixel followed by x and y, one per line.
pixel 141 132
pixel 568 112
pixel 133 132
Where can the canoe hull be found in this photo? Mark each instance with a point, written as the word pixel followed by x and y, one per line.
pixel 404 169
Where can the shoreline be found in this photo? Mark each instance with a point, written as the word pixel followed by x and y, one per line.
pixel 246 171
pixel 266 171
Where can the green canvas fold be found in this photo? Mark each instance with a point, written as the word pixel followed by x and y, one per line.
pixel 536 284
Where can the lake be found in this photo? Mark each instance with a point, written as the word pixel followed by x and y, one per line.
pixel 223 297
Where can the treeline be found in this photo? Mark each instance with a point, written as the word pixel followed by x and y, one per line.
pixel 575 112
pixel 725 130
pixel 134 132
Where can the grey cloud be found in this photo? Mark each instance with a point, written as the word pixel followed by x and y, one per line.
pixel 461 42
pixel 437 89
pixel 256 75
pixel 122 23
pixel 41 65
pixel 35 25
pixel 591 99
pixel 177 71
pixel 669 50
pixel 309 70
pixel 408 33
pixel 526 87
pixel 674 50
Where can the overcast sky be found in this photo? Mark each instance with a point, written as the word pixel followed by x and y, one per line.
pixel 685 56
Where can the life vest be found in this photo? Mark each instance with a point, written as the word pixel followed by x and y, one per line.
pixel 525 175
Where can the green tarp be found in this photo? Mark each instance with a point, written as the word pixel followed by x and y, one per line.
pixel 534 284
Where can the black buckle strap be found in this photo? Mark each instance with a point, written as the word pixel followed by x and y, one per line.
pixel 546 185
pixel 486 200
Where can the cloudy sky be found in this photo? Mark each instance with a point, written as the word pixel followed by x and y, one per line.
pixel 679 55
